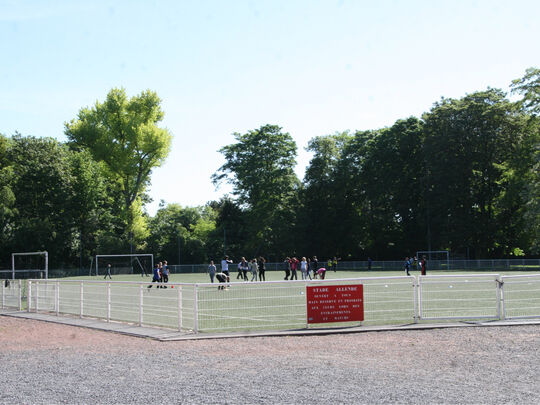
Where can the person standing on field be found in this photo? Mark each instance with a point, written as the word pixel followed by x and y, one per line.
pixel 423 266
pixel 294 266
pixel 155 272
pixel 407 266
pixel 245 268
pixel 314 266
pixel 225 265
pixel 262 268
pixel 303 268
pixel 287 267
pixel 108 273
pixel 212 270
pixel 165 272
pixel 253 268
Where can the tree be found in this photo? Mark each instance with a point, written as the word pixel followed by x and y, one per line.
pixel 260 166
pixel 319 214
pixel 184 231
pixel 123 133
pixel 470 147
pixel 529 87
pixel 7 197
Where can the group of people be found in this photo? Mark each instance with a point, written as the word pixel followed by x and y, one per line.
pixel 309 268
pixel 160 274
pixel 256 267
pixel 412 263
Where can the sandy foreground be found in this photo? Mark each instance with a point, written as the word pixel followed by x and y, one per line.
pixel 47 363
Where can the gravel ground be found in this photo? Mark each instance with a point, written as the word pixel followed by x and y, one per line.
pixel 45 363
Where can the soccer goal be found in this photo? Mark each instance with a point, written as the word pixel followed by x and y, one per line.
pixel 437 259
pixel 138 263
pixel 30 265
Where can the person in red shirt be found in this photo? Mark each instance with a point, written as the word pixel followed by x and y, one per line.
pixel 294 266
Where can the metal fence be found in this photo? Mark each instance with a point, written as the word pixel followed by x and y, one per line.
pixel 12 293
pixel 393 265
pixel 279 305
pixel 491 265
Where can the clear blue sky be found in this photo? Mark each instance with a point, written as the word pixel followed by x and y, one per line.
pixel 312 67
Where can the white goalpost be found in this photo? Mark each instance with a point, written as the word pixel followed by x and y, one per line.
pixel 133 261
pixel 441 256
pixel 44 270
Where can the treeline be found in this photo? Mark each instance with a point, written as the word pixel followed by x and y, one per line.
pixel 465 177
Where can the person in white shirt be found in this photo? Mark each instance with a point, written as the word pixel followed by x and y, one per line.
pixel 225 265
pixel 304 268
pixel 253 268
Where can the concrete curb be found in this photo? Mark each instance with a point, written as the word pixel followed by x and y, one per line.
pixel 167 335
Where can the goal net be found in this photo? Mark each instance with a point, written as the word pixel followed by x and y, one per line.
pixel 125 264
pixel 28 265
pixel 436 259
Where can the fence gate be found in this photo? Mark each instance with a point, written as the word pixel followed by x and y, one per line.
pixel 521 296
pixel 459 297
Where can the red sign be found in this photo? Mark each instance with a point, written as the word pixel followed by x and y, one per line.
pixel 335 303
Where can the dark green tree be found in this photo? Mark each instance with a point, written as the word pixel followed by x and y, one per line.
pixel 469 148
pixel 260 166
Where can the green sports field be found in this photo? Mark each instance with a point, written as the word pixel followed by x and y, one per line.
pixel 279 275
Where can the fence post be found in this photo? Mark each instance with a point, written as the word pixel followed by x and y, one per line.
pixel 305 295
pixel 501 310
pixel 37 296
pixel 420 314
pixel 82 297
pixel 29 299
pixel 57 298
pixel 3 293
pixel 195 309
pixel 20 295
pixel 415 291
pixel 179 308
pixel 140 304
pixel 108 302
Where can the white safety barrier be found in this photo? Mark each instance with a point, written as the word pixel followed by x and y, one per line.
pixel 521 296
pixel 12 291
pixel 467 296
pixel 279 305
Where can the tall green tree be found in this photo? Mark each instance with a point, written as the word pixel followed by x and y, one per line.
pixel 7 197
pixel 260 167
pixel 123 133
pixel 319 215
pixel 470 146
pixel 529 87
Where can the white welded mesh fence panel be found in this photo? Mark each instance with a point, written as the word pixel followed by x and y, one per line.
pixel 389 300
pixel 160 306
pixel 459 297
pixel 12 291
pixel 521 296
pixel 249 306
pixel 43 295
pixel 69 298
pixel 133 302
pixel 282 304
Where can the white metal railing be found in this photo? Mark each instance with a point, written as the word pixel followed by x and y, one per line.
pixel 520 296
pixel 465 296
pixel 12 291
pixel 279 305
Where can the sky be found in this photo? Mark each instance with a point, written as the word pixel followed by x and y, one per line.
pixel 312 67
